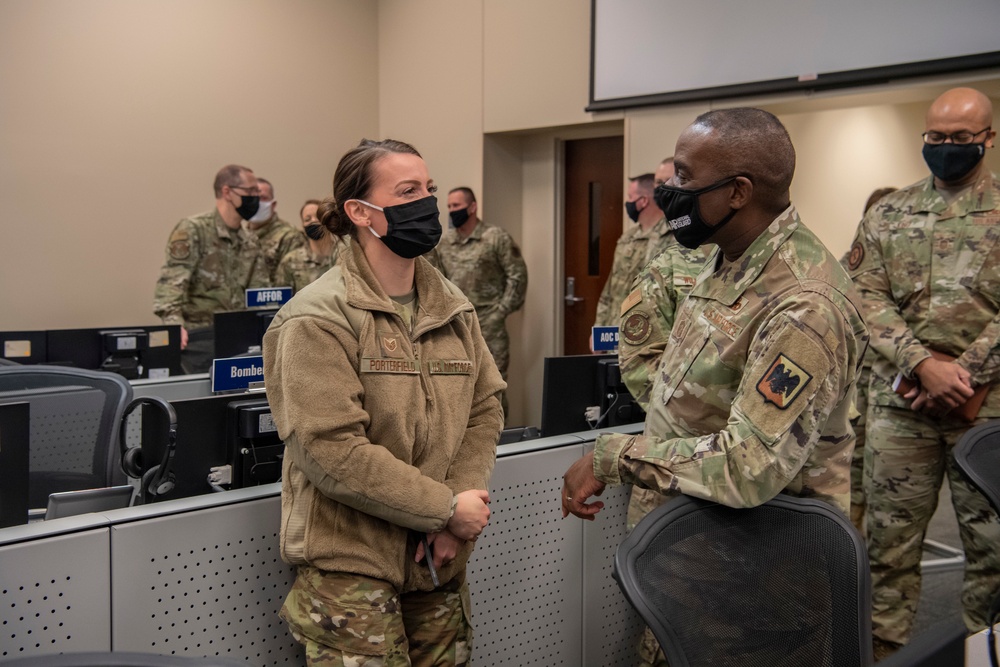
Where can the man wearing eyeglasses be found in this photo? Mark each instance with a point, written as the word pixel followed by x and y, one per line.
pixel 211 259
pixel 926 261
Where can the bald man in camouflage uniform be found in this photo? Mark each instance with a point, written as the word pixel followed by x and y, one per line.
pixel 275 237
pixel 487 266
pixel 927 264
pixel 211 259
pixel 753 393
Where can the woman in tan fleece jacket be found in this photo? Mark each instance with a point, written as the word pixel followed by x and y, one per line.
pixel 387 398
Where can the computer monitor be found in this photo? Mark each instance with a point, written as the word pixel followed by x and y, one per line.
pixel 14 438
pixel 255 450
pixel 22 347
pixel 132 352
pixel 240 332
pixel 939 646
pixel 71 503
pixel 572 384
pixel 200 443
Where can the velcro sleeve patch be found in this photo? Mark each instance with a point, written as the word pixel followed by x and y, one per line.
pixel 631 300
pixel 782 381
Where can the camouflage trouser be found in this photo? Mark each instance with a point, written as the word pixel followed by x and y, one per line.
pixel 346 620
pixel 906 458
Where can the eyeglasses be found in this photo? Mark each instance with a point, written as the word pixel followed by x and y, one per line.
pixel 252 192
pixel 962 137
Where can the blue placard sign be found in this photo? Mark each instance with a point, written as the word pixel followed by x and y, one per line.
pixel 268 297
pixel 605 338
pixel 237 373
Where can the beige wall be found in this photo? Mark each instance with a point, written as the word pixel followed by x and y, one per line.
pixel 116 115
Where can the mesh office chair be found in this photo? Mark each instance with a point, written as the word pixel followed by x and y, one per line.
pixel 75 417
pixel 977 455
pixel 120 659
pixel 782 584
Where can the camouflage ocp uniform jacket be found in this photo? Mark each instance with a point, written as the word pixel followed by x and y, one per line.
pixel 207 269
pixel 300 266
pixel 929 277
pixel 277 238
pixel 635 248
pixel 753 393
pixel 489 269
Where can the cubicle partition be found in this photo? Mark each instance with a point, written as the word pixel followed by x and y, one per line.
pixel 203 576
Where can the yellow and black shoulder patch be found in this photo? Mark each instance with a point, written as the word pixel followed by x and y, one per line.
pixel 856 257
pixel 782 382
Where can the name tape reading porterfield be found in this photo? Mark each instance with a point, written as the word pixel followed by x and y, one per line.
pixel 237 373
pixel 268 297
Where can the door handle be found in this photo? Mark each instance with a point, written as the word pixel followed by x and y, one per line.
pixel 571 296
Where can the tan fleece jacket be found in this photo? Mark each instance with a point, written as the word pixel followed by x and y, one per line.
pixel 382 426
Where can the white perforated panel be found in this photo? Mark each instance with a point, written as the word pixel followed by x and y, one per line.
pixel 204 583
pixel 611 625
pixel 55 595
pixel 525 574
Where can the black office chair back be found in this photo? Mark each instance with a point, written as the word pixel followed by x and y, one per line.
pixel 977 455
pixel 75 416
pixel 782 584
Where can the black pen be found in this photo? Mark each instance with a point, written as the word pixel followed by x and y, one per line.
pixel 430 562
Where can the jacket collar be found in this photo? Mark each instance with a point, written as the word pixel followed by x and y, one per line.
pixel 733 278
pixel 979 197
pixel 437 303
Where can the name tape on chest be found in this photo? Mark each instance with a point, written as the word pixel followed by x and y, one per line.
pixel 393 365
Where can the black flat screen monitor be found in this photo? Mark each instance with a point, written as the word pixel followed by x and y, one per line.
pixel 572 384
pixel 14 437
pixel 200 444
pixel 940 646
pixel 133 352
pixel 22 347
pixel 240 332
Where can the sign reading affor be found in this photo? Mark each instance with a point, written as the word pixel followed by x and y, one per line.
pixel 605 338
pixel 268 297
pixel 237 373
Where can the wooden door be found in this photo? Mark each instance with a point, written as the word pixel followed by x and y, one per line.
pixel 594 203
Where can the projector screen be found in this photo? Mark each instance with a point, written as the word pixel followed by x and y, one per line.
pixel 647 52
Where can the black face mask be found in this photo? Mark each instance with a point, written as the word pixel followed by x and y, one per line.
pixel 951 162
pixel 315 231
pixel 459 217
pixel 413 228
pixel 249 205
pixel 631 211
pixel 680 207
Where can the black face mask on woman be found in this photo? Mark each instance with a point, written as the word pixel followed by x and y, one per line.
pixel 680 207
pixel 412 228
pixel 315 231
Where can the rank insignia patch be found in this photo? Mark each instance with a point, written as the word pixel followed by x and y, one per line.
pixel 636 329
pixel 782 383
pixel 857 254
pixel 390 345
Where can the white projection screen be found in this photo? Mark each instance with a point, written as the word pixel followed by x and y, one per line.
pixel 646 52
